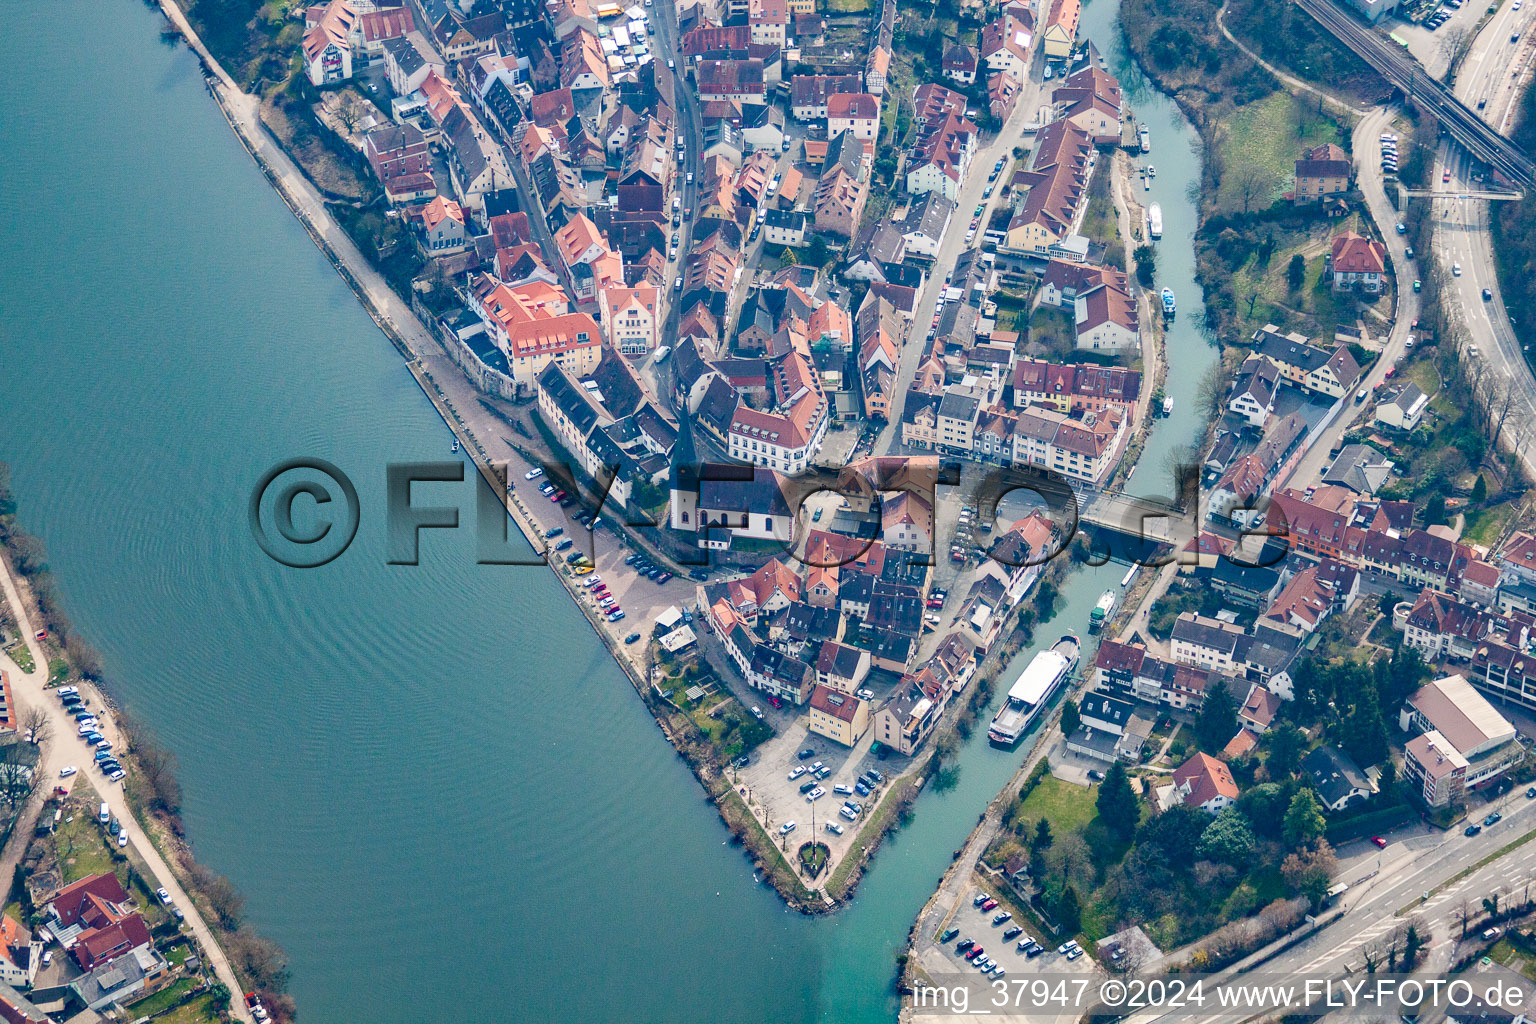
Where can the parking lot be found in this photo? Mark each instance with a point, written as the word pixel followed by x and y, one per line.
pixel 976 924
pixel 778 799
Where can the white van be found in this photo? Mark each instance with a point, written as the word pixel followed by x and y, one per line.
pixel 105 814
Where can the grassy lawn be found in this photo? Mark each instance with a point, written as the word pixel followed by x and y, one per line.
pixel 178 953
pixel 162 1000
pixel 1484 527
pixel 847 6
pixel 1068 807
pixel 1424 374
pixel 22 656
pixel 203 1010
pixel 1259 149
pixel 81 847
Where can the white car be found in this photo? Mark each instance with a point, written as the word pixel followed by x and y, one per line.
pixel 163 896
pixel 1456 269
pixel 122 838
pixel 533 474
pixel 786 828
pixel 799 771
pixel 89 725
pixel 67 771
pixel 814 795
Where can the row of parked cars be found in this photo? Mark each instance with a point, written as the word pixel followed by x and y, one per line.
pixel 647 568
pixel 86 722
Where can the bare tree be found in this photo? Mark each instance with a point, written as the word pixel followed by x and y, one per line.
pixel 1250 181
pixel 37 725
pixel 1463 913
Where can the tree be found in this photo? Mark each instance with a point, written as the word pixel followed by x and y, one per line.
pixel 36 725
pixel 1308 871
pixel 1463 914
pixel 1480 490
pixel 1218 717
pixel 1362 731
pixel 1175 833
pixel 157 766
pixel 1304 819
pixel 1117 803
pixel 1283 745
pixel 1071 720
pixel 1228 838
pixel 1413 944
pixel 1069 912
pixel 1146 264
pixel 1296 272
pixel 1043 838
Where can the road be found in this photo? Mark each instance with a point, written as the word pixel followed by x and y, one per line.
pixel 1384 882
pixel 915 348
pixel 1399 68
pixel 1367 152
pixel 690 129
pixel 64 746
pixel 1493 73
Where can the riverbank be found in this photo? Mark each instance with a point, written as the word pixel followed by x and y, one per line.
pixel 64 746
pixel 463 412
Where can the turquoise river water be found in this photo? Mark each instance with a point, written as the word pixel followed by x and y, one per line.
pixel 431 783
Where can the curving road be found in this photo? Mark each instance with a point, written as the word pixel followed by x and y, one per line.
pixel 1493 74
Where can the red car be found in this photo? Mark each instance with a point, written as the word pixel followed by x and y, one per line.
pixel 1380 842
pixel 775 702
pixel 973 953
pixel 557 497
pixel 1447 175
pixel 989 905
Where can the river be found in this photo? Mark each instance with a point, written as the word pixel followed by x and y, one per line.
pixel 431 783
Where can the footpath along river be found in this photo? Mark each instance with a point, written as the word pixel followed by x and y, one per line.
pixel 433 786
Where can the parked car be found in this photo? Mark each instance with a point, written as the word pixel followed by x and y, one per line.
pixel 632 638
pixel 1493 819
pixel 1000 918
pixel 949 933
pixel 796 772
pixel 163 896
pixel 989 905
pixel 1012 932
pixel 67 771
pixel 834 828
pixel 1380 842
pixel 1472 830
pixel 786 828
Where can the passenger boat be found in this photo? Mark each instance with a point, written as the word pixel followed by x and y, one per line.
pixel 1032 691
pixel 1155 221
pixel 1101 611
pixel 1144 137
pixel 455 446
pixel 1151 171
pixel 1167 406
pixel 1168 305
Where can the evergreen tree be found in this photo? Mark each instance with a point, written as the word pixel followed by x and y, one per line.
pixel 1296 273
pixel 1217 723
pixel 1304 819
pixel 1069 912
pixel 1043 837
pixel 1071 720
pixel 1117 803
pixel 1228 838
